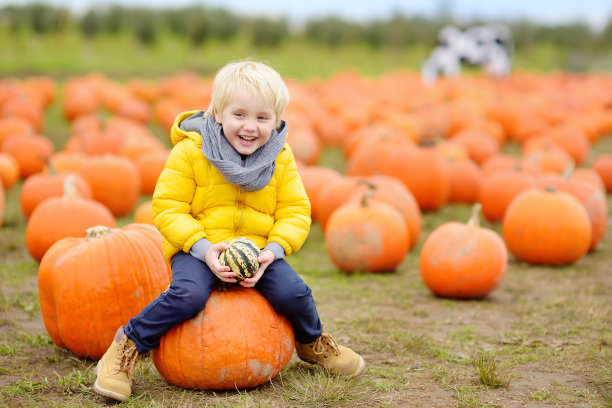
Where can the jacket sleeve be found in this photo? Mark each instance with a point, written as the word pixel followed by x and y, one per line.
pixel 292 216
pixel 172 199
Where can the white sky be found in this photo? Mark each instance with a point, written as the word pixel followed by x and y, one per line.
pixel 595 12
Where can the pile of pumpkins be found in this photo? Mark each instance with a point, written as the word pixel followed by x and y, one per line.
pixel 408 148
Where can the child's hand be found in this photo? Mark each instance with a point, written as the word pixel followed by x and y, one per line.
pixel 265 258
pixel 212 260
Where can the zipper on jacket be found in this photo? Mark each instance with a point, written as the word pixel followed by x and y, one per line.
pixel 240 205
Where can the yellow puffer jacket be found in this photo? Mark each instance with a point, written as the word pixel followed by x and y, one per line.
pixel 192 200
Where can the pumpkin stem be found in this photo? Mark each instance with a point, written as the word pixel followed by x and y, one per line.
pixel 567 173
pixel 70 190
pixel 474 220
pixel 365 197
pixel 98 231
pixel 367 183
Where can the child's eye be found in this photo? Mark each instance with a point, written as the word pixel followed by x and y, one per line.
pixel 239 114
pixel 262 118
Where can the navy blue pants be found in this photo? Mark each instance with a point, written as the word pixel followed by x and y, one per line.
pixel 191 286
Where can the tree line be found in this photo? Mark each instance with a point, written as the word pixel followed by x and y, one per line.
pixel 198 23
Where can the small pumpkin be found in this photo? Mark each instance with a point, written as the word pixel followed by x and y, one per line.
pixel 241 257
pixel 236 341
pixel 367 236
pixel 463 261
pixel 68 215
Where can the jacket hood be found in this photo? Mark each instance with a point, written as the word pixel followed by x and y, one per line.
pixel 188 125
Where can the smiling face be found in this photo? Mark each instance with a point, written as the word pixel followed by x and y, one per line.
pixel 247 121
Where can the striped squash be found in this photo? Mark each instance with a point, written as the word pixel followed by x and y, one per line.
pixel 241 257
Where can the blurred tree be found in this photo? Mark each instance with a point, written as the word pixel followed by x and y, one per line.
pixel 116 19
pixel 223 24
pixel 374 33
pixel 197 28
pixel 43 18
pixel 605 37
pixel 268 32
pixel 145 26
pixel 332 31
pixel 13 17
pixel 91 23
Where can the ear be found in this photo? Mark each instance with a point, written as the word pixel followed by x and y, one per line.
pixel 217 116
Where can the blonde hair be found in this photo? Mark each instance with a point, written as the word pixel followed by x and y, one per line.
pixel 257 77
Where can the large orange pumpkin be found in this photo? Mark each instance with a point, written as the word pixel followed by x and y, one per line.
pixel 546 227
pixel 463 260
pixel 90 286
pixel 366 236
pixel 236 341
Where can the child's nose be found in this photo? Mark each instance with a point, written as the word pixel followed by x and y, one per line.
pixel 250 124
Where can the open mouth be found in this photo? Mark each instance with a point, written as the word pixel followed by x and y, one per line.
pixel 246 139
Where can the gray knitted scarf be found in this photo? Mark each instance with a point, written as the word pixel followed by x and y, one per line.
pixel 250 173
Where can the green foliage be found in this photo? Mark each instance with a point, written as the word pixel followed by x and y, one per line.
pixel 268 32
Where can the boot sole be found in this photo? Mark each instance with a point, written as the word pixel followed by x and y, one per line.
pixel 107 393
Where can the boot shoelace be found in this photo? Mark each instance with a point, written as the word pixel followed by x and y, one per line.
pixel 324 342
pixel 128 357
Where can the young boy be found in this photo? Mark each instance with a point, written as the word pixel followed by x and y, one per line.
pixel 229 174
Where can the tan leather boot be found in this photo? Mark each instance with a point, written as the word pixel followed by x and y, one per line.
pixel 116 368
pixel 324 351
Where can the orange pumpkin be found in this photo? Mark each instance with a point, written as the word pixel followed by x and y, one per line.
pixel 366 236
pixel 479 144
pixel 236 341
pixel 144 213
pixel 546 227
pixel 41 186
pixel 150 166
pixel 424 171
pixel 392 191
pixel 332 195
pixel 465 181
pixel 603 166
pixel 9 170
pixel 305 144
pixel 114 181
pixel 14 126
pixel 592 197
pixel 463 260
pixel 57 217
pixel 31 151
pixel 498 189
pixel 90 286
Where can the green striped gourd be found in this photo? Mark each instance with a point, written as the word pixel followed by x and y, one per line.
pixel 241 257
